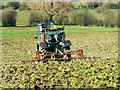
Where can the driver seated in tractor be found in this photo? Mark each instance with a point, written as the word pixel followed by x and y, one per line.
pixel 52 39
pixel 52 43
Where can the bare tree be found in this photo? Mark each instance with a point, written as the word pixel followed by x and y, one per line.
pixel 56 8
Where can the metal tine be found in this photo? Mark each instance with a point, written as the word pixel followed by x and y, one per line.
pixel 58 59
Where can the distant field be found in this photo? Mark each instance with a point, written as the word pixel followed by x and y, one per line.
pixel 22 18
pixel 98 15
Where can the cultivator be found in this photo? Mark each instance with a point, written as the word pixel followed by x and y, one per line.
pixel 59 57
pixel 56 48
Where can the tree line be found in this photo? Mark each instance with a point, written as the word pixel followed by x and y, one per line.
pixel 77 5
pixel 63 13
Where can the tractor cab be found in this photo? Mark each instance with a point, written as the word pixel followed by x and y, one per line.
pixel 52 39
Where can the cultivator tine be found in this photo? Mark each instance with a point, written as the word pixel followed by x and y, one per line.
pixel 80 54
pixel 58 59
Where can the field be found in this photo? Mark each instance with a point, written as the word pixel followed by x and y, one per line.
pixel 18 43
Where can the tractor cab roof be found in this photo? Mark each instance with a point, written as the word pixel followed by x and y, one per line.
pixel 54 32
pixel 50 28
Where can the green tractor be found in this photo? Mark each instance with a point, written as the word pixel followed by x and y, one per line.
pixel 55 43
pixel 54 47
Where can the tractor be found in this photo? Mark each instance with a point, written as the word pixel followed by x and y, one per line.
pixel 53 45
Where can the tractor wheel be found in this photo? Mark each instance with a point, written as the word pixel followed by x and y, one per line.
pixel 66 49
pixel 60 47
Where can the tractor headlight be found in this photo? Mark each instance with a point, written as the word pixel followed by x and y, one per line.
pixel 35 36
pixel 48 46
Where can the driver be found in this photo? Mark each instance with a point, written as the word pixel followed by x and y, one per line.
pixel 52 38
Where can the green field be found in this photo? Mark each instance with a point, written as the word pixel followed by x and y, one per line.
pixel 18 43
pixel 22 18
pixel 29 32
